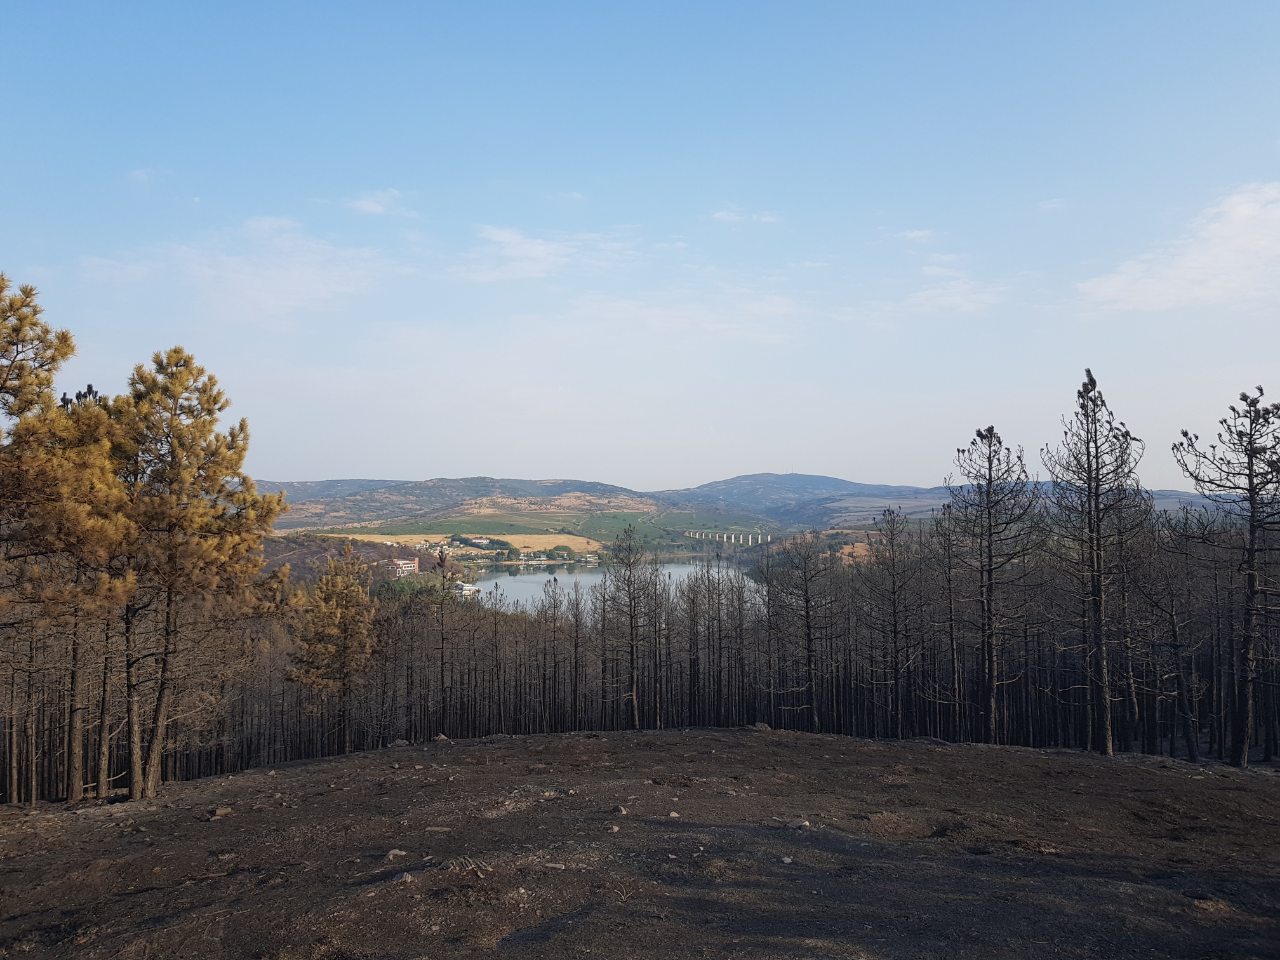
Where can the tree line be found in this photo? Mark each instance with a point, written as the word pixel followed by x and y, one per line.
pixel 141 640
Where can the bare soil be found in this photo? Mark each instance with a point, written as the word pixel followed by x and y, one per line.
pixel 662 845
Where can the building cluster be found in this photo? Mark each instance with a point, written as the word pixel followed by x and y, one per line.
pixel 401 567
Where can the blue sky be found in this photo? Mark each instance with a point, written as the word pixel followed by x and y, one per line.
pixel 657 244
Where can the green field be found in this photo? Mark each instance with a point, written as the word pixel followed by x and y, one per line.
pixel 491 523
pixel 681 520
pixel 653 528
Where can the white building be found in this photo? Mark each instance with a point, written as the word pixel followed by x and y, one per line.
pixel 402 568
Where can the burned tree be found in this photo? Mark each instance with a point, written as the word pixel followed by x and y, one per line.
pixel 1097 504
pixel 994 512
pixel 1241 474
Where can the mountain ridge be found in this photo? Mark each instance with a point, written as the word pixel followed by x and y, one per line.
pixel 778 500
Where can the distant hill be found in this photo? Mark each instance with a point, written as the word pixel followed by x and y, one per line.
pixel 763 492
pixel 798 500
pixel 300 491
pixel 759 501
pixel 363 502
pixel 1176 499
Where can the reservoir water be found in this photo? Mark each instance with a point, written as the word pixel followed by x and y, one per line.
pixel 525 584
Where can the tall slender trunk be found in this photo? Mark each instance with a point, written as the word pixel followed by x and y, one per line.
pixel 1189 731
pixel 1242 720
pixel 11 742
pixel 955 652
pixel 30 727
pixel 164 696
pixel 133 704
pixel 1103 741
pixel 990 660
pixel 75 720
pixel 634 683
pixel 104 719
pixel 810 663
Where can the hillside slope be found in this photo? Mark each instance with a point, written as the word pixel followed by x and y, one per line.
pixel 764 493
pixel 667 845
pixel 302 491
pixel 400 500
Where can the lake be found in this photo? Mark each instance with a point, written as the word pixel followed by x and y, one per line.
pixel 525 584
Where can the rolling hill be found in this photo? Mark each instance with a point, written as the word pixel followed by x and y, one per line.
pixel 754 502
pixel 300 491
pixel 797 500
pixel 364 502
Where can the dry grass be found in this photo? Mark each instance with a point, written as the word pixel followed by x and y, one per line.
pixel 852 551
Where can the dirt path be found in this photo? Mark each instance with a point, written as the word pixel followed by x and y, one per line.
pixel 785 846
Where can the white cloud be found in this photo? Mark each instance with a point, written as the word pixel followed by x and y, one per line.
pixel 958 295
pixel 916 236
pixel 1229 255
pixel 735 214
pixel 268 268
pixel 726 314
pixel 381 203
pixel 1052 204
pixel 511 254
pixel 141 175
pixel 952 290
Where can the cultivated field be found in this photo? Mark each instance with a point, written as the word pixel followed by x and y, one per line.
pixel 601 526
pixel 745 844
pixel 521 541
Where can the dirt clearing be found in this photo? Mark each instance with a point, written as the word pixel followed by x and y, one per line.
pixel 662 845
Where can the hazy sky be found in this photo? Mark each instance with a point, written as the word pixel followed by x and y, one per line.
pixel 657 244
